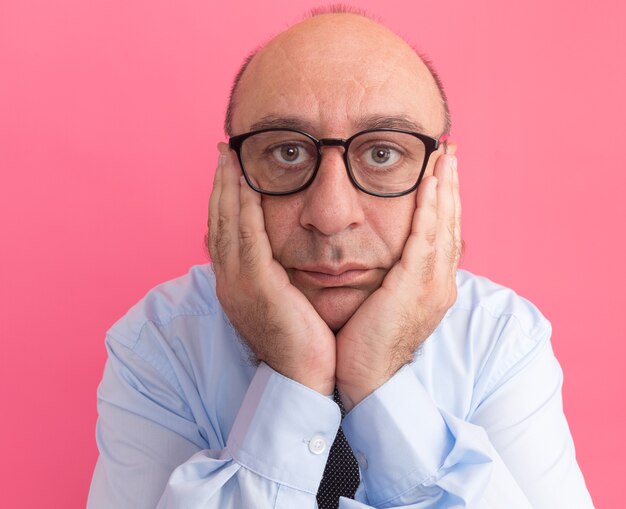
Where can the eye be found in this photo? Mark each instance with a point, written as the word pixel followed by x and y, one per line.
pixel 381 156
pixel 291 153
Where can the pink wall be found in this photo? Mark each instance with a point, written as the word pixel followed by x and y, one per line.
pixel 109 115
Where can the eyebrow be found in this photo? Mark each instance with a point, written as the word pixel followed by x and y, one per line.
pixel 389 121
pixel 276 122
pixel 369 122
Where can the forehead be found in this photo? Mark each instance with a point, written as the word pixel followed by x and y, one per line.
pixel 334 73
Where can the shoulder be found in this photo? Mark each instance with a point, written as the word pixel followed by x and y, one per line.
pixel 495 321
pixel 488 335
pixel 178 334
pixel 176 350
pixel 497 304
pixel 185 297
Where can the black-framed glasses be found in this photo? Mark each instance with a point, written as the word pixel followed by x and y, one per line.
pixel 381 162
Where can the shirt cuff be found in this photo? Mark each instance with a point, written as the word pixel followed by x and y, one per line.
pixel 398 437
pixel 284 430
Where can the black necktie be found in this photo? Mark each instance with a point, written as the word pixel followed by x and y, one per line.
pixel 341 474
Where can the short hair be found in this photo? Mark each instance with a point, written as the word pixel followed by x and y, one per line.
pixel 336 9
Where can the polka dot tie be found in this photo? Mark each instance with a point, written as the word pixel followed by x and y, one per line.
pixel 341 474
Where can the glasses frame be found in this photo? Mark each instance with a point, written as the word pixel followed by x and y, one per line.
pixel 430 144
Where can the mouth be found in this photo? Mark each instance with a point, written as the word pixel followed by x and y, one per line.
pixel 332 277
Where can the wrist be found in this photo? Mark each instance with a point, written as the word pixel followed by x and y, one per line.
pixel 322 380
pixel 354 385
pixel 355 391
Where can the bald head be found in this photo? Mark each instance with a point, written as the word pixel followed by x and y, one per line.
pixel 338 47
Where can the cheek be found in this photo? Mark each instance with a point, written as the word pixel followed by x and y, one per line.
pixel 281 215
pixel 391 219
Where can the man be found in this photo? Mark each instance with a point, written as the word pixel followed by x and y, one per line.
pixel 334 229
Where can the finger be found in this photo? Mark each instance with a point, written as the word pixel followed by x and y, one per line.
pixel 447 246
pixel 458 238
pixel 214 210
pixel 254 247
pixel 446 214
pixel 418 257
pixel 425 215
pixel 227 235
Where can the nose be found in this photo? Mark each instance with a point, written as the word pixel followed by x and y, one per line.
pixel 332 204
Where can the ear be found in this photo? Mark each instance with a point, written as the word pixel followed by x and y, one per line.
pixel 450 148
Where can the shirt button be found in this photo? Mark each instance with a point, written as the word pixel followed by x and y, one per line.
pixel 361 459
pixel 317 444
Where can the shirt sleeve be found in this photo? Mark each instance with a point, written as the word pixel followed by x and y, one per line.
pixel 152 454
pixel 275 454
pixel 514 450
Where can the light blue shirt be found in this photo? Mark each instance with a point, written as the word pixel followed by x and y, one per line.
pixel 186 420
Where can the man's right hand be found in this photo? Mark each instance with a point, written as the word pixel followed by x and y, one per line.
pixel 276 320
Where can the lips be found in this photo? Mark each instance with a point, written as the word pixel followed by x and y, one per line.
pixel 332 277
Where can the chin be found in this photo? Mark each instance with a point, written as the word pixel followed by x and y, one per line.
pixel 337 305
pixel 335 322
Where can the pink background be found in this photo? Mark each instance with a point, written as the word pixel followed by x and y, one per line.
pixel 109 115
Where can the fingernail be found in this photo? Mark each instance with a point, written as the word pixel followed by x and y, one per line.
pixel 221 160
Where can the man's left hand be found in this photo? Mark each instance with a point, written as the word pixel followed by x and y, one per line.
pixel 415 295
